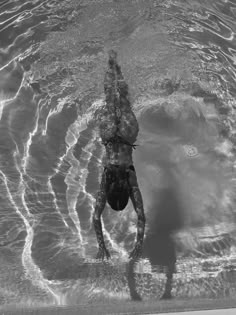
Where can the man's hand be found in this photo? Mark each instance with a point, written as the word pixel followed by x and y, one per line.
pixel 103 253
pixel 136 252
pixel 112 57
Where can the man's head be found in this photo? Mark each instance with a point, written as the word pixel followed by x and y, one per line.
pixel 117 187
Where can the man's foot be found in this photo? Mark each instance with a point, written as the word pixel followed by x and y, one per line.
pixel 103 253
pixel 136 252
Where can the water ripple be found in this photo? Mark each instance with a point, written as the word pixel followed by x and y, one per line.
pixel 179 60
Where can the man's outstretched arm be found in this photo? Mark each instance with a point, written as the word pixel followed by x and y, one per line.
pixel 106 116
pixel 110 81
pixel 99 207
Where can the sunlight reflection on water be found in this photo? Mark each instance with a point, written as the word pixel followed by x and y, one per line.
pixel 178 58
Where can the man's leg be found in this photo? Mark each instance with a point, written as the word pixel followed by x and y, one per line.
pixel 99 207
pixel 131 281
pixel 137 201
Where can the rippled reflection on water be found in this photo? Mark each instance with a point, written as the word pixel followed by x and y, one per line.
pixel 179 58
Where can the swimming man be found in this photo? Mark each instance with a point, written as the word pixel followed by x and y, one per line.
pixel 118 128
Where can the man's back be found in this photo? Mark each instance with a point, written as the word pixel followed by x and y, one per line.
pixel 118 154
pixel 127 126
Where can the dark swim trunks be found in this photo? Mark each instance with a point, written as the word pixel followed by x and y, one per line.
pixel 117 185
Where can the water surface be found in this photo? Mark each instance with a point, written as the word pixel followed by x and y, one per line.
pixel 179 59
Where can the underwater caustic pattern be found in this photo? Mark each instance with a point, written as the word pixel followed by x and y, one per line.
pixel 178 58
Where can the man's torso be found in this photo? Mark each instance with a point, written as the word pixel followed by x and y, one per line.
pixel 118 154
pixel 127 128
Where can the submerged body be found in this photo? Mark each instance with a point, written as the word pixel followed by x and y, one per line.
pixel 118 154
pixel 117 117
pixel 118 129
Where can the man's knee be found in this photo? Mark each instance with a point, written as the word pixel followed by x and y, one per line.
pixel 96 216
